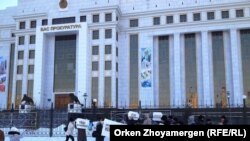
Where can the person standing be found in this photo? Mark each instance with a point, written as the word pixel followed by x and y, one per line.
pixel 14 134
pixel 99 127
pixel 1 135
pixel 70 129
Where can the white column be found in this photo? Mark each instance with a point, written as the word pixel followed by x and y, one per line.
pixel 155 51
pixel 101 68
pixel 236 95
pixel 171 69
pixel 13 99
pixel 113 69
pixel 208 93
pixel 199 69
pixel 25 66
pixel 82 66
pixel 38 72
pixel 177 97
pixel 228 62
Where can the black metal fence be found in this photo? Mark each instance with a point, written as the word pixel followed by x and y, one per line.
pixel 51 122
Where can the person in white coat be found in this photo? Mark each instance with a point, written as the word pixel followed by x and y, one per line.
pixel 14 134
pixel 69 132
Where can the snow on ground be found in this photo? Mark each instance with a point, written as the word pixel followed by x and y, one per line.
pixel 51 139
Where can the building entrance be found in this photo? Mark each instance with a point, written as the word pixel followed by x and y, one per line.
pixel 62 101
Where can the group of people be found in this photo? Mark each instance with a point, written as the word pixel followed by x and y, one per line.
pixel 96 134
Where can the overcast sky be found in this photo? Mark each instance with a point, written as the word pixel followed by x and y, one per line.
pixel 7 3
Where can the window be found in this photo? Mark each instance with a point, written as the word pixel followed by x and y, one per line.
pixel 133 23
pixel 31 69
pixel 83 19
pixel 108 17
pixel 108 65
pixel 19 69
pixel 21 40
pixel 95 50
pixel 96 18
pixel 157 20
pixel 116 67
pixel 13 35
pixel 225 14
pixel 108 33
pixel 108 49
pixel 239 13
pixel 183 18
pixel 197 17
pixel 45 22
pixel 31 54
pixel 20 54
pixel 117 36
pixel 32 24
pixel 170 19
pixel 95 34
pixel 210 15
pixel 116 52
pixel 95 66
pixel 32 39
pixel 64 20
pixel 22 25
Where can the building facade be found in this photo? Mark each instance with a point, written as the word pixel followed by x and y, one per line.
pixel 126 53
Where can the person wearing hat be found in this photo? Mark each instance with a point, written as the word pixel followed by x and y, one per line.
pixel 14 134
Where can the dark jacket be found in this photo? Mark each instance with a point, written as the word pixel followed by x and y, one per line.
pixel 99 136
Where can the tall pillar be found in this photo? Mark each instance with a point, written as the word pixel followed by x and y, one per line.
pixel 236 94
pixel 178 99
pixel 199 69
pixel 101 82
pixel 228 62
pixel 208 93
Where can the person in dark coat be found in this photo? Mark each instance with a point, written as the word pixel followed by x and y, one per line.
pixel 98 134
pixel 1 135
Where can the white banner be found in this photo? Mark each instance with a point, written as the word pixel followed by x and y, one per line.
pixel 106 127
pixel 82 123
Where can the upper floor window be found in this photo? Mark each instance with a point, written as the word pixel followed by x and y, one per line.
pixel 183 18
pixel 224 14
pixel 63 20
pixel 95 34
pixel 83 19
pixel 20 55
pixel 210 15
pixel 108 49
pixel 239 13
pixel 45 22
pixel 21 40
pixel 108 33
pixel 22 25
pixel 197 16
pixel 33 24
pixel 133 23
pixel 95 50
pixel 96 18
pixel 32 39
pixel 157 20
pixel 108 17
pixel 31 54
pixel 170 19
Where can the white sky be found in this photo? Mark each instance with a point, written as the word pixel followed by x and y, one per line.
pixel 7 3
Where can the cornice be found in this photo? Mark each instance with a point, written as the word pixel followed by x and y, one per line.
pixel 104 8
pixel 30 16
pixel 13 26
pixel 185 9
pixel 191 25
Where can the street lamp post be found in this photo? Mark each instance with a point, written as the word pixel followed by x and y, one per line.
pixel 94 101
pixel 228 102
pixel 85 99
pixel 244 109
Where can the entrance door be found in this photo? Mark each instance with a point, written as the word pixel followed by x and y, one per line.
pixel 62 101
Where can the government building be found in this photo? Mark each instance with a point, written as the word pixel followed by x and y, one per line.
pixel 126 53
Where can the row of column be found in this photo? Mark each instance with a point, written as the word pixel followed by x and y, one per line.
pixel 234 83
